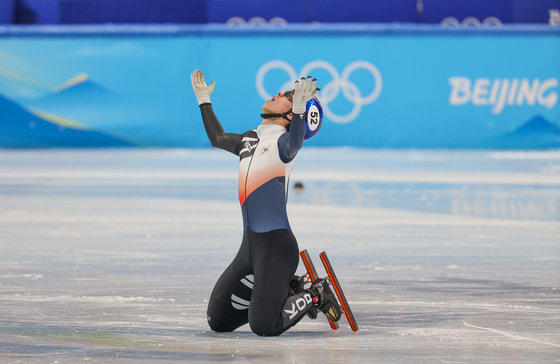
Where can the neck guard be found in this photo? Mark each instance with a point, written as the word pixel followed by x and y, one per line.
pixel 283 115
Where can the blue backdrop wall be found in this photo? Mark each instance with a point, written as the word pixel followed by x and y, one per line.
pixel 382 86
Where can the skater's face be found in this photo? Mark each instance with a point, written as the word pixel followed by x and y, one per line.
pixel 279 103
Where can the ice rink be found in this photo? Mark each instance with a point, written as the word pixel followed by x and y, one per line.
pixel 109 256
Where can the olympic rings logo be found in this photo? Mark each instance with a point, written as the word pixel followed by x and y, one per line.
pixel 331 90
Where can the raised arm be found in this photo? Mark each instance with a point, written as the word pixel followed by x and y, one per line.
pixel 290 143
pixel 218 137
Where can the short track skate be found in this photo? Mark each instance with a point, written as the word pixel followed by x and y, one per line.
pixel 312 275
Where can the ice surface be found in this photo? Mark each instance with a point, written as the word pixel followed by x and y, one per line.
pixel 109 256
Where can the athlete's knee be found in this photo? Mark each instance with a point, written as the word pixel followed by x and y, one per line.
pixel 219 327
pixel 221 320
pixel 263 328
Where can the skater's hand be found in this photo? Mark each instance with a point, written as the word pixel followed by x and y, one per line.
pixel 304 91
pixel 201 90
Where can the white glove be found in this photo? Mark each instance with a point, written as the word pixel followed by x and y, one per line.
pixel 200 89
pixel 304 91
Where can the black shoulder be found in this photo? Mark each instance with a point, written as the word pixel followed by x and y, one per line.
pixel 249 141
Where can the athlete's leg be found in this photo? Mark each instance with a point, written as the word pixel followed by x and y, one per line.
pixel 229 302
pixel 275 257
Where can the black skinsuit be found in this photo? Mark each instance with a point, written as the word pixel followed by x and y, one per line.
pixel 255 288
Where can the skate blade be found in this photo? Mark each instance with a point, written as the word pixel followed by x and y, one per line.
pixel 333 281
pixel 312 275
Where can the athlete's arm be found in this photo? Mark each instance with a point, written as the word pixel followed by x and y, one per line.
pixel 218 137
pixel 291 142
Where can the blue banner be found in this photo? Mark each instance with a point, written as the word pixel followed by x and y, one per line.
pixel 408 87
